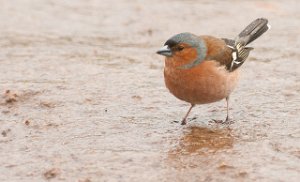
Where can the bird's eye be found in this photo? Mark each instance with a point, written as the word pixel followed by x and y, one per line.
pixel 180 48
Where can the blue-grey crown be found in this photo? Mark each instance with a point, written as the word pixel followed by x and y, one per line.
pixel 193 41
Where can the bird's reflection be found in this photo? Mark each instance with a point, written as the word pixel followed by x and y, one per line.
pixel 200 148
pixel 201 140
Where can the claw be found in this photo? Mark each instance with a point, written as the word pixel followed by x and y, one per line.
pixel 227 121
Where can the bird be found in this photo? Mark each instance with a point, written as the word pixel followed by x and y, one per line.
pixel 205 69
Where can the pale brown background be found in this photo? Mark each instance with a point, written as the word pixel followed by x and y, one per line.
pixel 90 86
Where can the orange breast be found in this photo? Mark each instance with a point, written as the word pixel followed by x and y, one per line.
pixel 208 82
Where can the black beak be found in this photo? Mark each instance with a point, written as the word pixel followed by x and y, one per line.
pixel 165 51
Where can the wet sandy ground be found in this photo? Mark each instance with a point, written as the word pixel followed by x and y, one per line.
pixel 83 98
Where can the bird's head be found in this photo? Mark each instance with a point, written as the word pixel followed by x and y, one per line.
pixel 185 47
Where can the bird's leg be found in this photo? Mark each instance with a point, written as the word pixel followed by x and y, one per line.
pixel 227 120
pixel 183 122
pixel 227 105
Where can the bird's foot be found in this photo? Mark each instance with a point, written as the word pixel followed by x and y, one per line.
pixel 227 121
pixel 183 122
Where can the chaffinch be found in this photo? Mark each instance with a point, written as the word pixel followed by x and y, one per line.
pixel 204 69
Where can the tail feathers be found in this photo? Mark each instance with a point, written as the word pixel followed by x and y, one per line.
pixel 238 46
pixel 252 32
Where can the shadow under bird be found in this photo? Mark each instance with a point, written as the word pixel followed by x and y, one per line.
pixel 205 69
